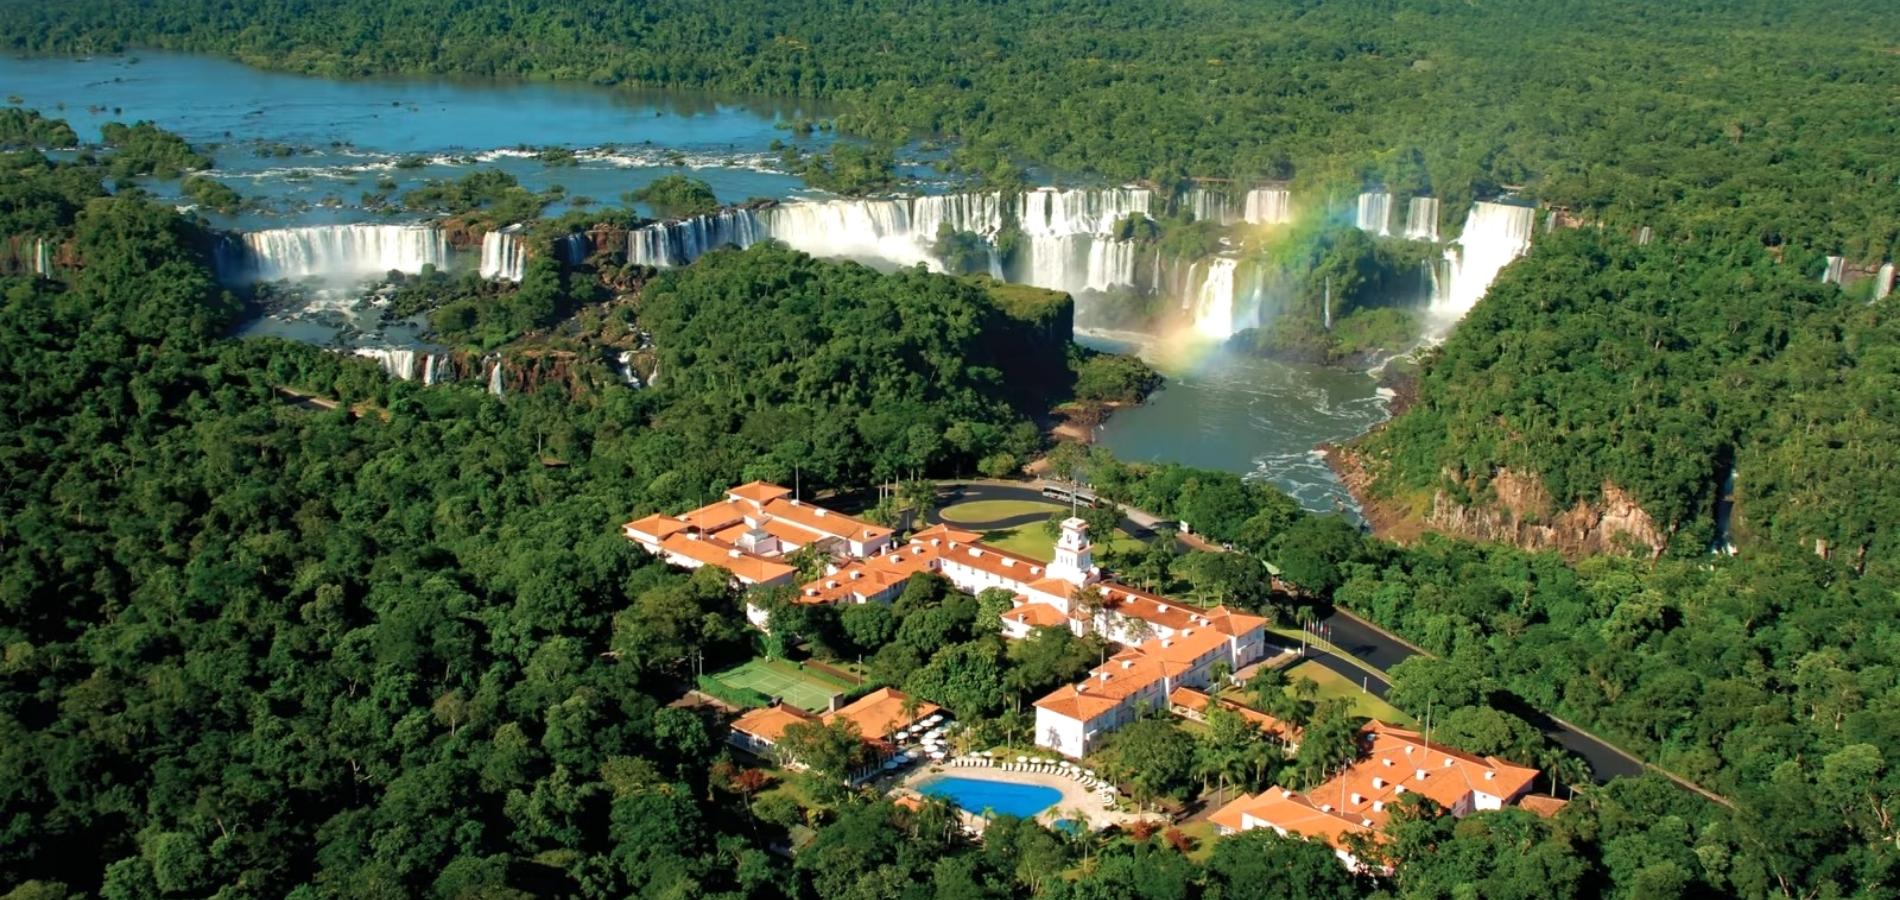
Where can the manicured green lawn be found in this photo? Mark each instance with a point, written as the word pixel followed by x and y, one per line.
pixel 1332 684
pixel 1031 541
pixel 980 511
pixel 1204 835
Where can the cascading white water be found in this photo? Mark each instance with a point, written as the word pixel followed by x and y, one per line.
pixel 667 244
pixel 1268 206
pixel 42 258
pixel 504 254
pixel 1375 213
pixel 342 251
pixel 1111 264
pixel 1836 267
pixel 494 377
pixel 1214 303
pixel 624 363
pixel 399 363
pixel 1883 282
pixel 1421 219
pixel 1056 211
pixel 853 229
pixel 1209 206
pixel 976 213
pixel 1494 235
pixel 574 248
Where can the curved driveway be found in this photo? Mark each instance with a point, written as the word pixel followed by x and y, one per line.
pixel 1363 641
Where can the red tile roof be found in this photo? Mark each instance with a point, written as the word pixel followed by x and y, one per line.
pixel 712 552
pixel 759 492
pixel 769 724
pixel 881 712
pixel 1191 699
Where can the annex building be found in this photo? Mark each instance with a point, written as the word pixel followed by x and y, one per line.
pixel 1356 803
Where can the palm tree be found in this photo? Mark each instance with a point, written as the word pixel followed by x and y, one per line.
pixel 1268 687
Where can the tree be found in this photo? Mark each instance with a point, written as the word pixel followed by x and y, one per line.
pixel 1311 552
pixel 967 678
pixel 1330 741
pixel 868 626
pixel 1488 732
pixel 1260 863
pixel 677 196
pixel 1154 757
pixel 830 750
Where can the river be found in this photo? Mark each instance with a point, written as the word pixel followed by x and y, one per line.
pixel 1258 417
pixel 307 149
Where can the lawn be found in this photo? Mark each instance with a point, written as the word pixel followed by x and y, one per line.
pixel 807 689
pixel 1032 541
pixel 981 511
pixel 1333 684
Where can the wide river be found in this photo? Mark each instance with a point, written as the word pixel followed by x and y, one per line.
pixel 307 149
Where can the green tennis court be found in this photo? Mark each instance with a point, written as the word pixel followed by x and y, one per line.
pixel 805 689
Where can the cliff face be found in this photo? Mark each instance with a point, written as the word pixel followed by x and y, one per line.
pixel 1520 512
pixel 1514 508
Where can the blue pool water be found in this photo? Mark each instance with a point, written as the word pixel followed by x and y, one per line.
pixel 1003 797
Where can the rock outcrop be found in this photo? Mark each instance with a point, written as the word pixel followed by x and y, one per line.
pixel 1518 510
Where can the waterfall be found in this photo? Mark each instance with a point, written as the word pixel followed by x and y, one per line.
pixel 1725 516
pixel 1494 235
pixel 1326 306
pixel 494 377
pixel 574 248
pixel 1111 264
pixel 977 213
pixel 42 258
pixel 1421 219
pixel 504 254
pixel 1883 282
pixel 1219 295
pixel 1268 206
pixel 1836 267
pixel 399 363
pixel 666 244
pixel 1375 213
pixel 341 251
pixel 624 363
pixel 1643 236
pixel 1057 211
pixel 1209 206
pixel 854 229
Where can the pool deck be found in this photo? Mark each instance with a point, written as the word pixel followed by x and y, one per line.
pixel 1074 795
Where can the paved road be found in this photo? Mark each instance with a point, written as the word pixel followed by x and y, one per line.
pixel 1383 651
pixel 1360 639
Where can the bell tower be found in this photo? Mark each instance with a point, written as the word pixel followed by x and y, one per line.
pixel 1074 560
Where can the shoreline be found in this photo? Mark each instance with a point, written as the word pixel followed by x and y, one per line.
pixel 1384 518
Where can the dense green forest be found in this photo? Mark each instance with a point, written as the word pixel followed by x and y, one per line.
pixel 1767 121
pixel 1658 369
pixel 253 649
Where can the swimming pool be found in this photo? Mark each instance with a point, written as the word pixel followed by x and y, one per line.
pixel 980 795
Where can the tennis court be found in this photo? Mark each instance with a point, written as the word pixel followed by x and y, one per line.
pixel 805 689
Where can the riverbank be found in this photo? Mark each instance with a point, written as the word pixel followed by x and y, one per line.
pixel 1387 518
